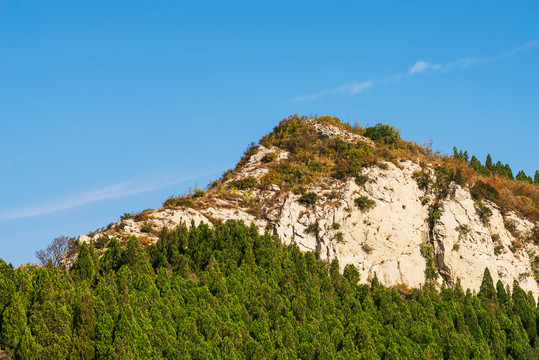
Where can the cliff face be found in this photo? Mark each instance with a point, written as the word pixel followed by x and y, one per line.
pixel 383 224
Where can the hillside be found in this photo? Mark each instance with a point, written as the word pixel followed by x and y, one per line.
pixel 326 241
pixel 391 208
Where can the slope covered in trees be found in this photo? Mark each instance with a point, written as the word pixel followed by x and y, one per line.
pixel 229 293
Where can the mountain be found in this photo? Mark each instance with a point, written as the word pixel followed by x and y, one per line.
pixel 327 241
pixel 393 209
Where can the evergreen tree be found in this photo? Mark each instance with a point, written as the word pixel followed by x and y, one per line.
pixel 508 172
pixel 83 267
pixel 245 295
pixel 487 286
pixel 488 163
pixel 13 323
pixel 499 169
pixel 501 294
pixel 476 164
pixel 521 176
pixel 351 274
pixel 536 179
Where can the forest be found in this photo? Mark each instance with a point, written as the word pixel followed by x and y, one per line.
pixel 228 292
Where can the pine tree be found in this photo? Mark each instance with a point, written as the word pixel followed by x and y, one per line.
pixel 536 179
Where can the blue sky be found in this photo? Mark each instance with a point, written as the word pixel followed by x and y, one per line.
pixel 109 107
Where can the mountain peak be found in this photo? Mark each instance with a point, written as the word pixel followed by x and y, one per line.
pixel 395 210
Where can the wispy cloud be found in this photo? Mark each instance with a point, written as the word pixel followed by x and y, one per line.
pixel 351 88
pixel 126 188
pixel 419 67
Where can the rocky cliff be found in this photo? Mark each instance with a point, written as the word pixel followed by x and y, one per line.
pixel 393 219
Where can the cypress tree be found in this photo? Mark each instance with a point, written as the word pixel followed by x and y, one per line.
pixel 13 323
pixel 487 285
pixel 476 164
pixel 501 294
pixel 488 163
pixel 508 172
pixel 536 179
pixel 84 268
pixel 521 176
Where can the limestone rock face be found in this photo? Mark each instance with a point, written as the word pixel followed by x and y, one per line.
pixel 465 245
pixel 384 239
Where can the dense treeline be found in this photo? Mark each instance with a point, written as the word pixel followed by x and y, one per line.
pixel 230 293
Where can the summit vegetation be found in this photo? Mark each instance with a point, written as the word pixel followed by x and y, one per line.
pixel 314 157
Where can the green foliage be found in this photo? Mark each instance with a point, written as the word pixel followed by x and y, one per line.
pixel 459 155
pixel 434 215
pixel 463 230
pixel 181 202
pixel 431 272
pixel 364 203
pixel 351 274
pixel 476 164
pixel 249 182
pixel 361 179
pixel 521 176
pixel 487 285
pixel 230 293
pixel 535 268
pixel 366 248
pixel 488 163
pixel 444 176
pixel 481 190
pixel 269 157
pixel 313 229
pixel 146 229
pixel 308 198
pixel 534 237
pixel 383 132
pixel 423 179
pixel 197 193
pixel 483 212
pixel 84 268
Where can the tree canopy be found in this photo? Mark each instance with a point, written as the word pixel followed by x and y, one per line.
pixel 230 293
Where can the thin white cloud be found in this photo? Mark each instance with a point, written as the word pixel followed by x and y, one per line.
pixel 127 188
pixel 351 88
pixel 418 68
pixel 478 61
